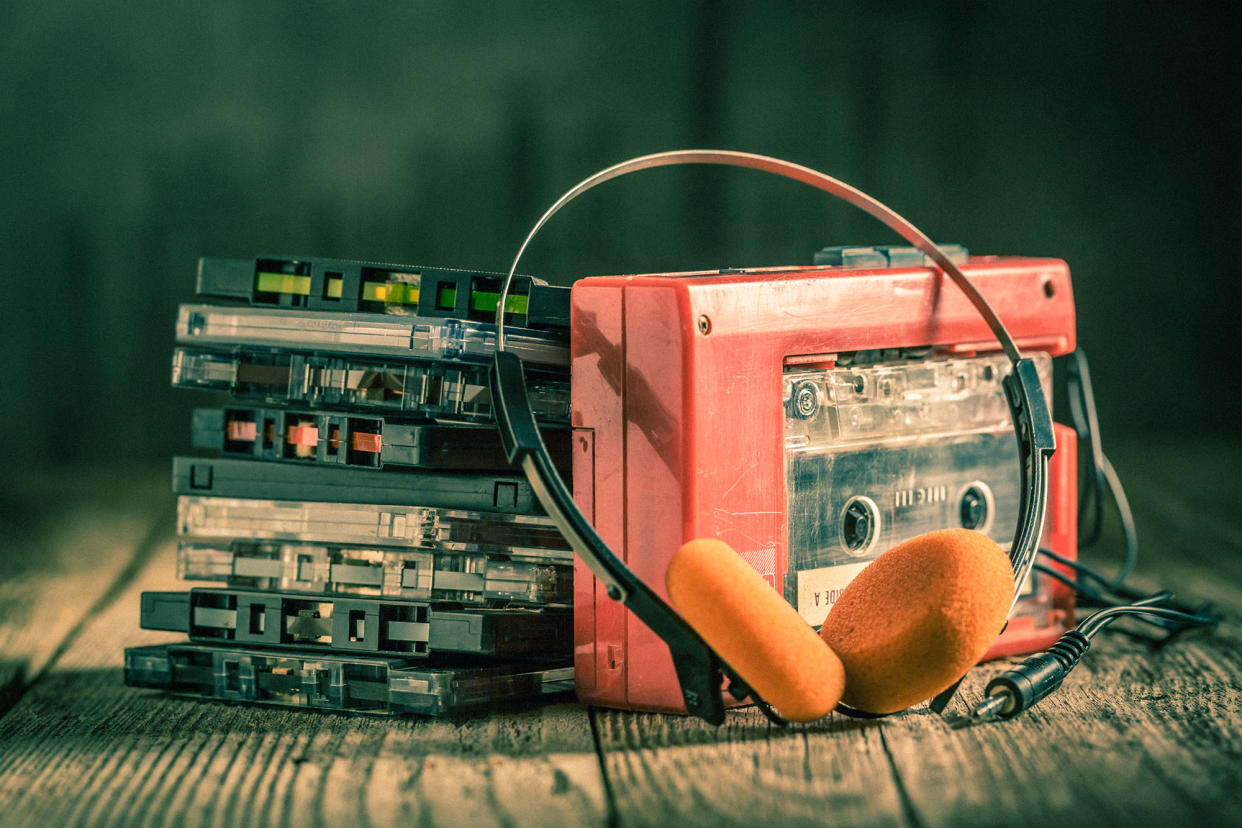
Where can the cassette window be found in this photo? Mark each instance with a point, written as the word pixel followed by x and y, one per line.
pixel 389 291
pixel 275 280
pixel 877 452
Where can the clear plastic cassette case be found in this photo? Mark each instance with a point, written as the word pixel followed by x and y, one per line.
pixel 363 334
pixel 533 537
pixel 350 438
pixel 354 684
pixel 468 578
pixel 453 489
pixel 879 452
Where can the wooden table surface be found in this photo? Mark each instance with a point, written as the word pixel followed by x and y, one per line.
pixel 1135 736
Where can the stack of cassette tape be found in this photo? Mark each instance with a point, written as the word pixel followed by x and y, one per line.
pixel 371 546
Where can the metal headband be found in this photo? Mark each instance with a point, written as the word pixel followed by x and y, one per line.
pixel 698 667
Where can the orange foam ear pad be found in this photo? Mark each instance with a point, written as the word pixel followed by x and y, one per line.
pixel 920 616
pixel 754 630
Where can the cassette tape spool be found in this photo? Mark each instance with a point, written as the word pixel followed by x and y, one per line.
pixel 531 537
pixel 376 626
pixel 365 334
pixel 431 390
pixel 879 452
pixel 356 684
pixel 469 578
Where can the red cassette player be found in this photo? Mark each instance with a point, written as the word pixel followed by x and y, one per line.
pixel 810 417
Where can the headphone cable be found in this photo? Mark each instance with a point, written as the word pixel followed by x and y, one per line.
pixel 1023 686
pixel 1019 688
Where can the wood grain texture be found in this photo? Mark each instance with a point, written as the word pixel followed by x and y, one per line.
pixel 673 770
pixel 1136 735
pixel 1132 737
pixel 65 542
pixel 81 748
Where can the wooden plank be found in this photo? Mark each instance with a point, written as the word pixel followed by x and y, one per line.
pixel 82 748
pixel 1131 737
pixel 666 770
pixel 68 539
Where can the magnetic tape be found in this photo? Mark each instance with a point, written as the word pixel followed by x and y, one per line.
pixel 877 452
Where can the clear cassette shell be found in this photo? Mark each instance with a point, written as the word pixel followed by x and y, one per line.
pixel 529 537
pixel 468 578
pixel 353 684
pixel 363 334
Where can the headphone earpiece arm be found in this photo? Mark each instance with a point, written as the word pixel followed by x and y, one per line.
pixel 1036 444
pixel 699 669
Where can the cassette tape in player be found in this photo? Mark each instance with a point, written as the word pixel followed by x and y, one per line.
pixel 810 417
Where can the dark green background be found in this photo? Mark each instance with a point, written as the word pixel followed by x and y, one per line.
pixel 136 137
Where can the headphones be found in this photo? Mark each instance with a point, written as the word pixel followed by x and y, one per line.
pixel 880 660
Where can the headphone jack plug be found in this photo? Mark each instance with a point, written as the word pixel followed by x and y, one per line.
pixel 1015 690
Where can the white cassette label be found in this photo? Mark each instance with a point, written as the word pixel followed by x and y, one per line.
pixel 819 589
